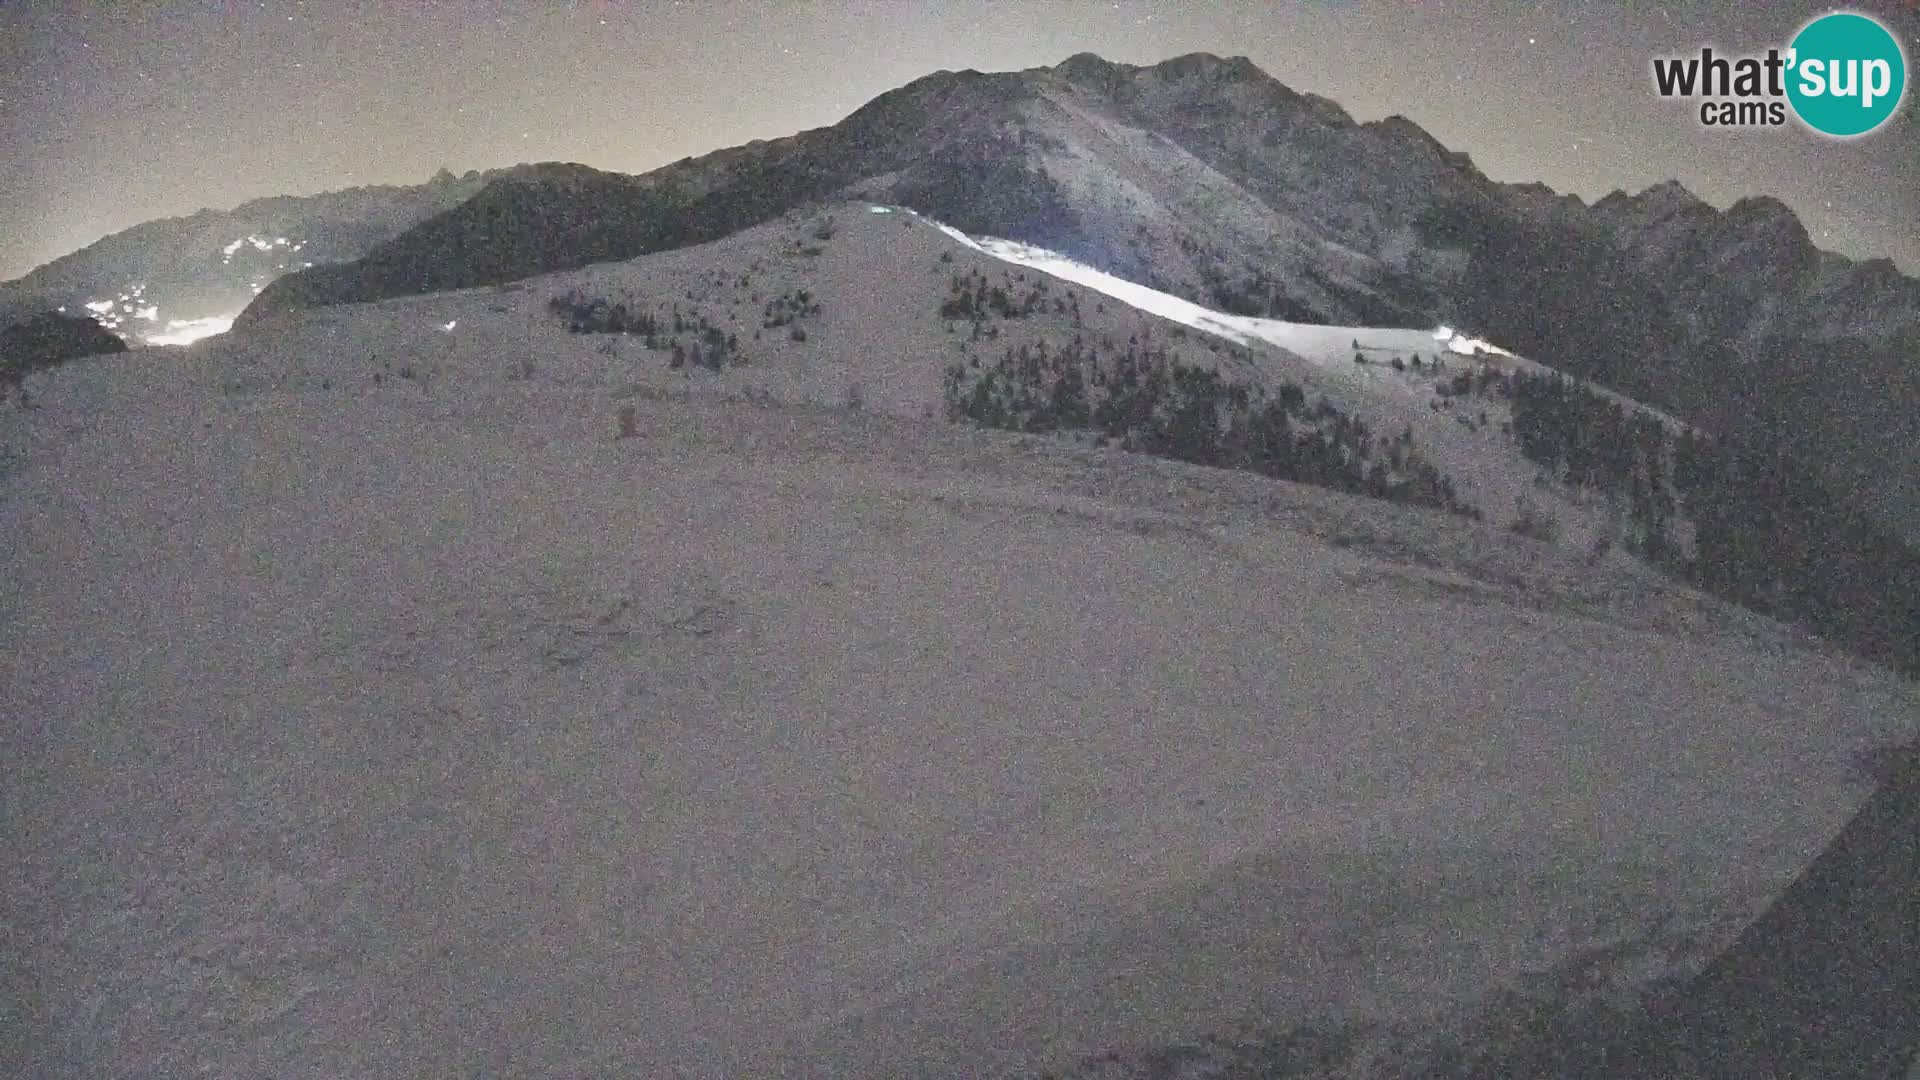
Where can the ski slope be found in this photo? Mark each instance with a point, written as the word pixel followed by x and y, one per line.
pixel 1326 344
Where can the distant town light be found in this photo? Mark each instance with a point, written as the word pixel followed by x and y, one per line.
pixel 188 331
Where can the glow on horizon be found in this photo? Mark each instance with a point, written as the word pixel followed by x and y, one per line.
pixel 188 331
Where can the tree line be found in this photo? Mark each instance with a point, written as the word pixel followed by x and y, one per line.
pixel 1145 400
pixel 1767 532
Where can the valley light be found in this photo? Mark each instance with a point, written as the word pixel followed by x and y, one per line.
pixel 188 331
pixel 449 325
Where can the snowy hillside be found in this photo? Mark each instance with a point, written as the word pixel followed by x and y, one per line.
pixel 874 279
pixel 373 707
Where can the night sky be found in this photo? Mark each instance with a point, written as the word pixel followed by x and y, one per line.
pixel 117 113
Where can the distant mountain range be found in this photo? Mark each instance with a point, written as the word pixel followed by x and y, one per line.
pixel 211 264
pixel 1208 178
pixel 1201 176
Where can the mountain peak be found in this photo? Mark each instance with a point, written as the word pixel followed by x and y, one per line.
pixel 1765 216
pixel 1761 208
pixel 1090 62
pixel 1189 65
pixel 1669 192
pixel 1664 201
pixel 1405 130
pixel 1092 70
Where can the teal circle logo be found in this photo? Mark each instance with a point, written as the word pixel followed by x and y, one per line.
pixel 1846 74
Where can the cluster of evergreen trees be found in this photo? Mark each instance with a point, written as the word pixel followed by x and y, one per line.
pixel 1768 534
pixel 1594 442
pixel 1152 403
pixel 593 316
pixel 972 297
pixel 710 346
pixel 784 309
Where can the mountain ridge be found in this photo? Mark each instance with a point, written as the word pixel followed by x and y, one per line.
pixel 1206 177
pixel 201 264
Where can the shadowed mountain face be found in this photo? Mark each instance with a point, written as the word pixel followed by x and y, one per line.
pixel 1206 177
pixel 935 143
pixel 47 340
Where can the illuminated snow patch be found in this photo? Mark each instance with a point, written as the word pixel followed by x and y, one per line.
pixel 1239 329
pixel 1458 342
pixel 449 325
pixel 231 248
pixel 879 210
pixel 99 307
pixel 188 331
pixel 1235 328
pixel 150 313
pixel 1298 338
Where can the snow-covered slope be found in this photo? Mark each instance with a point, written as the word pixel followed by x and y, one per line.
pixel 878 282
pixel 372 708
